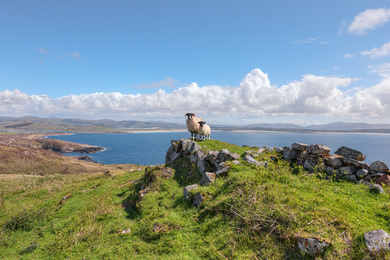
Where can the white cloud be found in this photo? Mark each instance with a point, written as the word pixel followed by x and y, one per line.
pixel 349 56
pixel 382 70
pixel 378 52
pixel 307 40
pixel 255 97
pixel 368 20
pixel 167 82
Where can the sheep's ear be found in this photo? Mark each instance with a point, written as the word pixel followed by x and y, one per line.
pixel 186 115
pixel 204 122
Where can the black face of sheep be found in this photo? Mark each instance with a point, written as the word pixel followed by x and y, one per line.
pixel 190 115
pixel 201 123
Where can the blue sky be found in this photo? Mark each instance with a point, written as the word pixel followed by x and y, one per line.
pixel 232 62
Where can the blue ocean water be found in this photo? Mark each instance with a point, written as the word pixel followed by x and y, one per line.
pixel 150 148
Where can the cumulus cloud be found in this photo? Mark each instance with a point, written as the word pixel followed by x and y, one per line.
pixel 254 97
pixel 167 82
pixel 368 20
pixel 379 52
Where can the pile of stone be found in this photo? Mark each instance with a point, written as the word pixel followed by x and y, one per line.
pixel 210 164
pixel 345 162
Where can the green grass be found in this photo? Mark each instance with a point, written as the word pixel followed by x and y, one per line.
pixel 253 213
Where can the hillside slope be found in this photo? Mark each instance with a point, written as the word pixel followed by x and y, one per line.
pixel 247 212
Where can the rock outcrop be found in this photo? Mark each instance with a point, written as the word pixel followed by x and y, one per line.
pixel 346 162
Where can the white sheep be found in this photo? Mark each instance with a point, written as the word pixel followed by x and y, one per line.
pixel 192 124
pixel 204 130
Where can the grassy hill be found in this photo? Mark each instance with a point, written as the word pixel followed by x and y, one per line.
pixel 250 213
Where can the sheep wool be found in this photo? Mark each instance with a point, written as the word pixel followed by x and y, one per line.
pixel 204 130
pixel 192 124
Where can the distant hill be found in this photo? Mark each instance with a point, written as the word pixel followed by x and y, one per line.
pixel 80 125
pixel 342 126
pixel 108 125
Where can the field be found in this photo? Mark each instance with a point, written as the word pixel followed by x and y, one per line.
pixel 250 213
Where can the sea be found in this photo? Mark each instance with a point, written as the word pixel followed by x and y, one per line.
pixel 150 148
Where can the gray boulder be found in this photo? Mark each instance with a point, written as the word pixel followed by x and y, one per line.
pixel 362 173
pixel 318 149
pixel 250 160
pixel 188 146
pixel 196 156
pixel 350 153
pixel 198 199
pixel 355 163
pixel 334 161
pixel 331 171
pixel 207 178
pixel 290 154
pixel 377 240
pixel 348 170
pixel 172 154
pixel 379 166
pixel 299 146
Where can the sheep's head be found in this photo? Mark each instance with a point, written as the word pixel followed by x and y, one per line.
pixel 190 115
pixel 201 123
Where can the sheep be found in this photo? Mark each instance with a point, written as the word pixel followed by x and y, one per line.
pixel 192 124
pixel 204 130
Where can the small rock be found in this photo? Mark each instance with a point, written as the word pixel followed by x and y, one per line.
pixel 330 170
pixel 334 161
pixel 377 174
pixel 348 170
pixel 187 189
pixel 236 162
pixel 362 173
pixel 312 246
pixel 279 150
pixel 378 188
pixel 352 177
pixel 207 178
pixel 198 199
pixel 223 171
pixel 377 240
pixel 250 160
pixel 385 180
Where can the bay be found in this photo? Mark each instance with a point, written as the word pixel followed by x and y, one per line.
pixel 150 148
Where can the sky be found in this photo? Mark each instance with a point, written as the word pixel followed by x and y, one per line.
pixel 229 62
